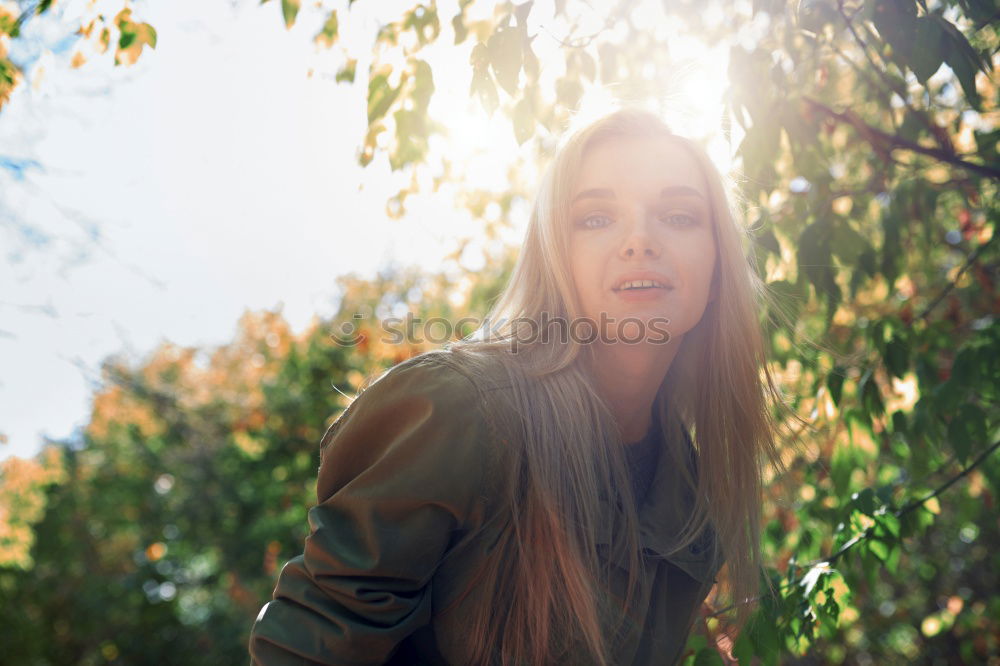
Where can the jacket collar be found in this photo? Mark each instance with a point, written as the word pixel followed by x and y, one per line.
pixel 665 511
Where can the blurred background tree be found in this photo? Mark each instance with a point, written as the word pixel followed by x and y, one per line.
pixel 863 139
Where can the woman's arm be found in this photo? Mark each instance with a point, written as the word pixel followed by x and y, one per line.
pixel 402 471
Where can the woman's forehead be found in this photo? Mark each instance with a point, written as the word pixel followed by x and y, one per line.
pixel 640 164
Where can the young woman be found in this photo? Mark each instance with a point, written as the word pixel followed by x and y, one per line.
pixel 563 486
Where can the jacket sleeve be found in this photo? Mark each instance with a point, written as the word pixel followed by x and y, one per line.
pixel 400 478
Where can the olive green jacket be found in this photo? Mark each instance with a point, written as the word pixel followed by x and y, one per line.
pixel 408 469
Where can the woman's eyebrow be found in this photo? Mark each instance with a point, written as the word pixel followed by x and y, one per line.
pixel 594 193
pixel 680 190
pixel 604 193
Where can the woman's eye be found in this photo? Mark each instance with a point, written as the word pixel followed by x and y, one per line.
pixel 594 221
pixel 680 219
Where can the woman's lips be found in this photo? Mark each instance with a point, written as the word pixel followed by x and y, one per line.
pixel 643 295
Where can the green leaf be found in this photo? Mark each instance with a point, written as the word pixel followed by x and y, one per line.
pixel 870 565
pixel 760 146
pixel 480 57
pixel 896 23
pixel 423 85
pixel 587 65
pixel 879 549
pixel 505 54
pixel 980 11
pixel 847 244
pixel 841 466
pixel 380 94
pixel 976 421
pixel 743 649
pixel 388 33
pixel 963 60
pixel 763 634
pixel 423 20
pixel 864 501
pixel 126 39
pixel 802 129
pixel 816 263
pixel 897 356
pixel 871 396
pixel 899 422
pixel 766 239
pixel 911 126
pixel 608 53
pixel 814 14
pixel 829 613
pixel 458 25
pixel 786 297
pixel 965 369
pixel 531 67
pixel 289 10
pixel 347 72
pixel 892 560
pixel 708 657
pixel 696 643
pixel 835 382
pixel 524 120
pixel 484 88
pixel 933 45
pixel 892 220
pixel 865 269
pixel 958 437
pixel 521 12
pixel 967 430
pixel 327 36
pixel 150 34
pixel 769 6
pixel 877 333
pixel 411 137
pixel 986 143
pixel 569 91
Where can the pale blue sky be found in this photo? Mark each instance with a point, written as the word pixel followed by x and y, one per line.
pixel 211 177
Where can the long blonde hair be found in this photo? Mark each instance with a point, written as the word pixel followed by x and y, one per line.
pixel 544 572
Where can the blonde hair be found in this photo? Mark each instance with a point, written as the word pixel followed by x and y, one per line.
pixel 544 571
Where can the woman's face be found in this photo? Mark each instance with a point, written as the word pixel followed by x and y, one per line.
pixel 641 238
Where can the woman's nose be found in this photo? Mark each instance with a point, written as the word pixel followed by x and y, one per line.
pixel 639 241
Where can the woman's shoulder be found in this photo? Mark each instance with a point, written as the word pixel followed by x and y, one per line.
pixel 425 417
pixel 454 382
pixel 425 377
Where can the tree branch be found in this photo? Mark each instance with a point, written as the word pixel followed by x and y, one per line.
pixel 915 504
pixel 882 74
pixel 951 285
pixel 950 482
pixel 583 42
pixel 892 141
pixel 864 49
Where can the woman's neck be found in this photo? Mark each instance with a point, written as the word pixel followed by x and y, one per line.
pixel 628 377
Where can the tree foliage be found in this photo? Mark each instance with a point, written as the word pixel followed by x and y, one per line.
pixel 866 141
pixel 98 31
